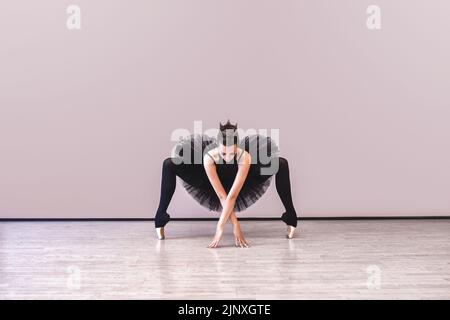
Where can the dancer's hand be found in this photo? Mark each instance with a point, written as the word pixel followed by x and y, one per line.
pixel 239 237
pixel 219 232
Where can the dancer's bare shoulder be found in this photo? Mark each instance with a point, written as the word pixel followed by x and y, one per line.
pixel 244 157
pixel 211 156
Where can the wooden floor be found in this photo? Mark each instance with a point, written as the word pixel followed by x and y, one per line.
pixel 362 259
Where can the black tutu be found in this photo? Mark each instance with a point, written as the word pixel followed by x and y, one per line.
pixel 190 150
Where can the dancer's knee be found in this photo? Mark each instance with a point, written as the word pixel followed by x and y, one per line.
pixel 168 164
pixel 283 163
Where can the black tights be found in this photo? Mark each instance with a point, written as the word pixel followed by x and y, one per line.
pixel 171 170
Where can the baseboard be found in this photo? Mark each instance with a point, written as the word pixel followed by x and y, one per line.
pixel 215 219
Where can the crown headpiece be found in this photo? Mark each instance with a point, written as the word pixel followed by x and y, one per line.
pixel 228 126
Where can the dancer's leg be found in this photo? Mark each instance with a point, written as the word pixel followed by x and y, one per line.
pixel 283 185
pixel 170 171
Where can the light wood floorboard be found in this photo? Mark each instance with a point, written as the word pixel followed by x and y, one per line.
pixel 331 259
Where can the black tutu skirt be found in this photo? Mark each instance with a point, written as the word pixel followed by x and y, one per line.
pixel 190 151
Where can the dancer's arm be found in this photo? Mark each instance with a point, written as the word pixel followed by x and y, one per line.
pixel 239 239
pixel 211 172
pixel 228 200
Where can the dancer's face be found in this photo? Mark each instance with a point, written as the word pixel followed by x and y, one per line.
pixel 227 152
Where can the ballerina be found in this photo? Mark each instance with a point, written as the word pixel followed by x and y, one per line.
pixel 231 176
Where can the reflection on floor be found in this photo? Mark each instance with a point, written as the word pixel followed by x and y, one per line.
pixel 361 259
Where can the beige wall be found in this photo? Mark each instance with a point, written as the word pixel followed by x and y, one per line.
pixel 86 116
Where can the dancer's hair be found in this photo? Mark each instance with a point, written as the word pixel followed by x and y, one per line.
pixel 228 134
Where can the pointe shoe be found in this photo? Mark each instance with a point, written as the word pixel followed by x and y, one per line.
pixel 163 219
pixel 290 232
pixel 160 233
pixel 290 219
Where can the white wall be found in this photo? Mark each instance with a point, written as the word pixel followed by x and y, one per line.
pixel 86 116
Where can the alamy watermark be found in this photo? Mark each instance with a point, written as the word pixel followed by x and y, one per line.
pixel 373 277
pixel 73 21
pixel 373 21
pixel 73 278
pixel 261 144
